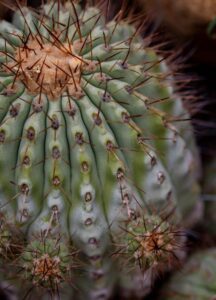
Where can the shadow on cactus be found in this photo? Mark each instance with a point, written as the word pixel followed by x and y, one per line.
pixel 98 165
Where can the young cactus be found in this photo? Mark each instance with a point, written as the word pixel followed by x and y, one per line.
pixel 196 281
pixel 94 173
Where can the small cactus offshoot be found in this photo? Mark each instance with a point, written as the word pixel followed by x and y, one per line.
pixel 98 165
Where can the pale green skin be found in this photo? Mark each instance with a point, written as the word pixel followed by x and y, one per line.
pixel 196 281
pixel 209 194
pixel 170 182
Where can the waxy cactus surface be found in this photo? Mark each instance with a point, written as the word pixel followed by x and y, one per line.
pixel 98 165
pixel 196 281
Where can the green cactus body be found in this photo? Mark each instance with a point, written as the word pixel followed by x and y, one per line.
pixel 209 194
pixel 196 280
pixel 93 171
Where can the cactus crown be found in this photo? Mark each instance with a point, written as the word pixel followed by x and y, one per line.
pixel 88 145
pixel 50 69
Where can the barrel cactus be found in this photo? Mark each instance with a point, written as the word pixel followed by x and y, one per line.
pixel 196 281
pixel 98 164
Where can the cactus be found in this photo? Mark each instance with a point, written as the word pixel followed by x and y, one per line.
pixel 183 17
pixel 196 280
pixel 98 164
pixel 209 194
